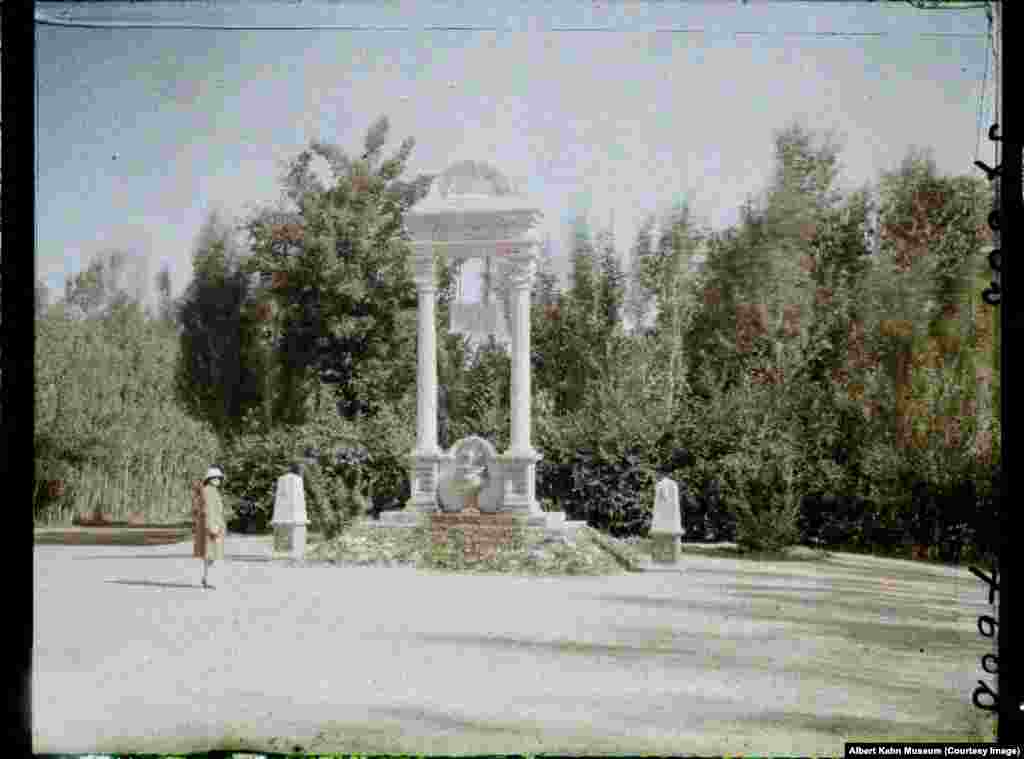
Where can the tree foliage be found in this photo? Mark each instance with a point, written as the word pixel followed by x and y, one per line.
pixel 336 259
pixel 832 344
pixel 99 381
pixel 220 374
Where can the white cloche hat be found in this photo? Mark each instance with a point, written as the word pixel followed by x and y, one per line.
pixel 212 473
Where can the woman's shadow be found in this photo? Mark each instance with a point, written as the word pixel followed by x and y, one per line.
pixel 151 583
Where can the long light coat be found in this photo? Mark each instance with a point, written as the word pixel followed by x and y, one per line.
pixel 208 525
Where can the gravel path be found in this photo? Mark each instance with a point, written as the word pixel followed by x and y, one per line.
pixel 719 656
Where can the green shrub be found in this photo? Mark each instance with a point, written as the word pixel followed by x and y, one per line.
pixel 339 454
pixel 99 381
pixel 600 462
pixel 252 464
pixel 767 528
pixel 389 436
pixel 339 504
pixel 613 490
pixel 760 494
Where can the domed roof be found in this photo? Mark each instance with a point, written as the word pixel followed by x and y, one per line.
pixel 469 190
pixel 473 178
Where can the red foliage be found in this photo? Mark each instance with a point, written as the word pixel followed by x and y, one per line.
pixel 712 296
pixel 751 322
pixel 289 232
pixel 951 311
pixel 771 376
pixel 264 312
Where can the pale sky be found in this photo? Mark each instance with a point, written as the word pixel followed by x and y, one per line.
pixel 607 108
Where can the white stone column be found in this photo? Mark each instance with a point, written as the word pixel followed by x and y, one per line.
pixel 519 462
pixel 425 458
pixel 426 360
pixel 520 281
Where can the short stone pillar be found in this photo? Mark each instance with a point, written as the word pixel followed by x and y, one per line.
pixel 666 527
pixel 289 520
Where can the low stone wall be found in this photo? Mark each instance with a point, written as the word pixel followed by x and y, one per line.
pixel 481 534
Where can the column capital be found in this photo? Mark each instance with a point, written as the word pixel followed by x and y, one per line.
pixel 424 271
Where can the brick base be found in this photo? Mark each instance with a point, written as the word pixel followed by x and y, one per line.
pixel 481 534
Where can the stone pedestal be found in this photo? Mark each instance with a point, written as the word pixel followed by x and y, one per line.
pixel 424 474
pixel 665 548
pixel 289 520
pixel 519 479
pixel 666 529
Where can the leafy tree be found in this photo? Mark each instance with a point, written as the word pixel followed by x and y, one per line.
pixel 583 259
pixel 640 301
pixel 100 287
pixel 611 288
pixel 219 375
pixel 545 285
pixel 769 284
pixel 165 310
pixel 730 274
pixel 932 229
pixel 484 397
pixel 578 340
pixel 100 379
pixel 664 272
pixel 454 356
pixel 336 257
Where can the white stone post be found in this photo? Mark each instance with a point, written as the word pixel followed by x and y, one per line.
pixel 290 519
pixel 520 460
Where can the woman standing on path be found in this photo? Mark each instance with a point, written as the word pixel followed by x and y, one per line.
pixel 208 525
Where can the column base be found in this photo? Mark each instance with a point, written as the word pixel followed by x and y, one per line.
pixel 518 470
pixel 424 471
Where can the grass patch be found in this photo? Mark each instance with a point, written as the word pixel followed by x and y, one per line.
pixel 111 536
pixel 637 552
pixel 794 553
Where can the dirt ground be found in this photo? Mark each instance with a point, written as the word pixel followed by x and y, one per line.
pixel 715 656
